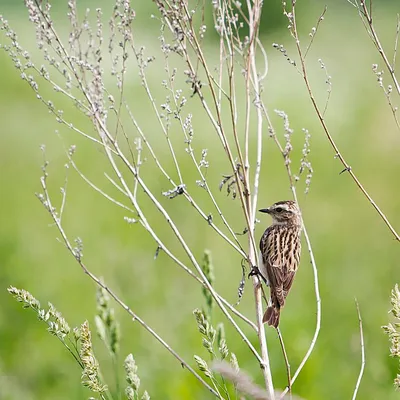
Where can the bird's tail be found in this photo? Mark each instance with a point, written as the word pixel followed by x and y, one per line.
pixel 271 316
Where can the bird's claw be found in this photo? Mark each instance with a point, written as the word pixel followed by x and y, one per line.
pixel 254 272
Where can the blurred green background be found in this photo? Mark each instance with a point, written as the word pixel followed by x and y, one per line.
pixel 355 252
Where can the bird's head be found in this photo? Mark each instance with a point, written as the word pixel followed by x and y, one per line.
pixel 284 212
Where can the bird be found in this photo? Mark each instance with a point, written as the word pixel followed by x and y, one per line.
pixel 280 250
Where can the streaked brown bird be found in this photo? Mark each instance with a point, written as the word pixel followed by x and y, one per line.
pixel 280 249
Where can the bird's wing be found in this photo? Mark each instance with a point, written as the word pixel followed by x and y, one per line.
pixel 292 261
pixel 281 255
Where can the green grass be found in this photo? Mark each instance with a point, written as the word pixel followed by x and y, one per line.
pixel 355 252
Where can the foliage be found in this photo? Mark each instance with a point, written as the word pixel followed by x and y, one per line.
pixel 137 267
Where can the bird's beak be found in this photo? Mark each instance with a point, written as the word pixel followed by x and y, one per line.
pixel 265 210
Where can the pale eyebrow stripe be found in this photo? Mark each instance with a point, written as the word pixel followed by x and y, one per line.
pixel 283 206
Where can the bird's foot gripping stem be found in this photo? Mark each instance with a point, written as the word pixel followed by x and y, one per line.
pixel 256 272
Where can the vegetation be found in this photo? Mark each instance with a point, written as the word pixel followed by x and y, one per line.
pixel 127 250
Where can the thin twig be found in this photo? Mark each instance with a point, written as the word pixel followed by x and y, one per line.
pixel 266 367
pixel 287 364
pixel 159 118
pixel 64 192
pixel 138 164
pixel 315 30
pixel 362 352
pixel 396 41
pixel 97 189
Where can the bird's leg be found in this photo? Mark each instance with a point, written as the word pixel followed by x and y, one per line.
pixel 267 302
pixel 256 272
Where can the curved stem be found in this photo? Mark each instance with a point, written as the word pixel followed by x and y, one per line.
pixel 360 375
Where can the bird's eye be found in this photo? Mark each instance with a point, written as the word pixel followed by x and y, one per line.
pixel 279 209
